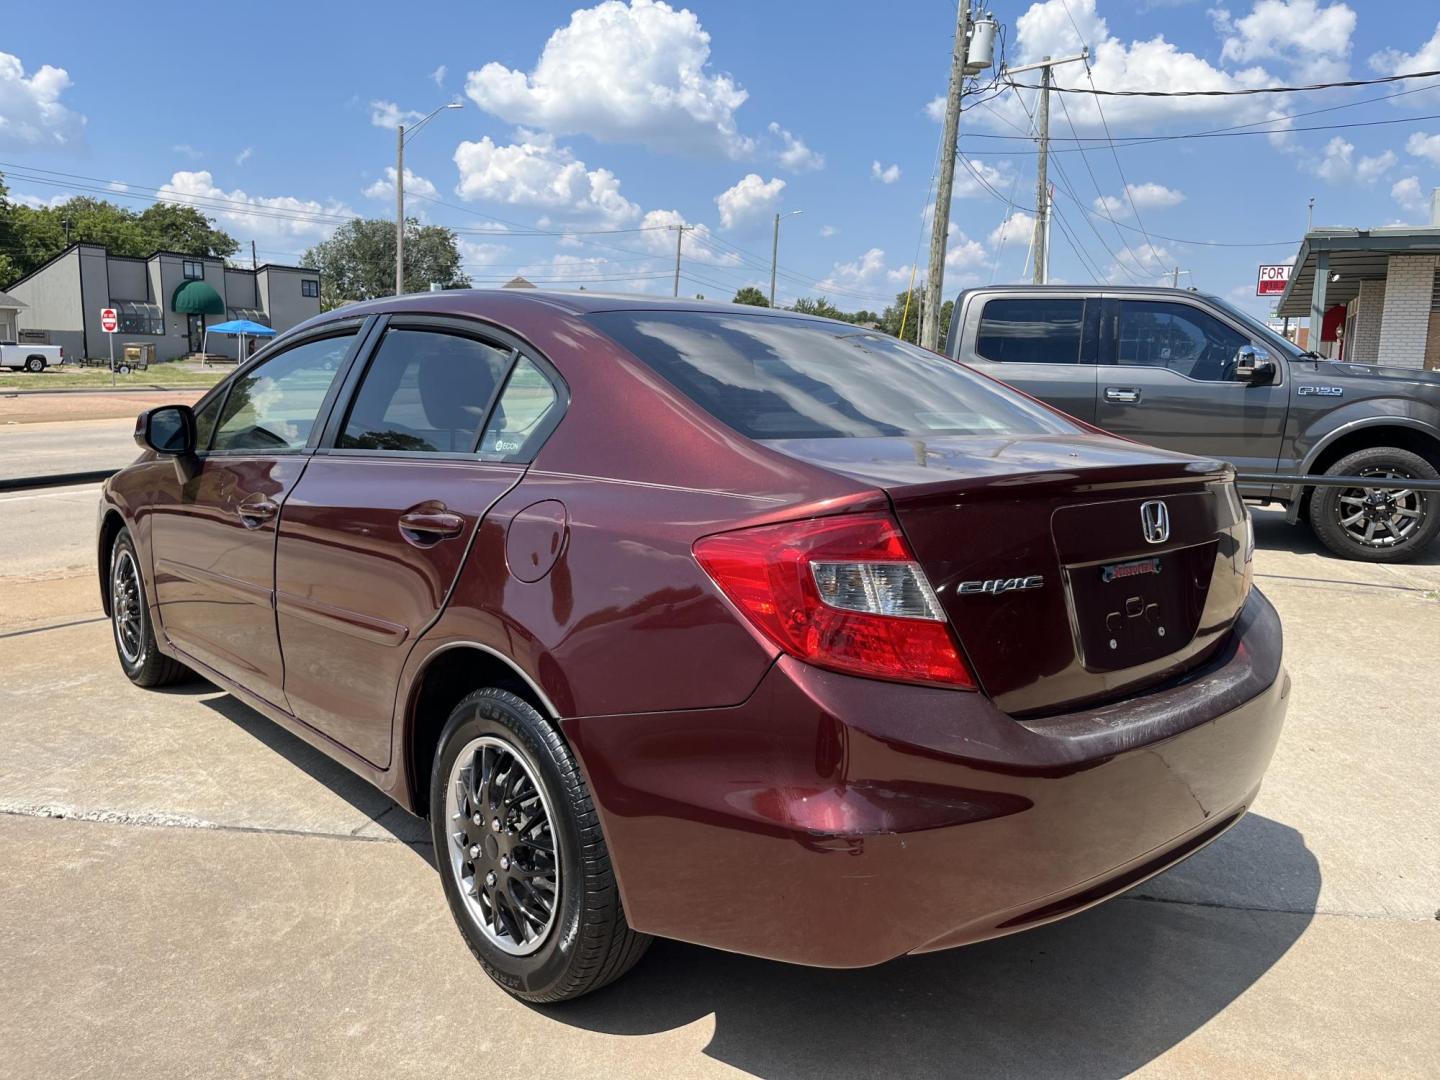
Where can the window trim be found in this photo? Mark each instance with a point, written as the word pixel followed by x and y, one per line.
pixel 361 331
pixel 1109 323
pixel 186 264
pixel 305 285
pixel 477 329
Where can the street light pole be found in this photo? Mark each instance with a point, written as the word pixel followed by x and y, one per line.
pixel 401 138
pixel 775 252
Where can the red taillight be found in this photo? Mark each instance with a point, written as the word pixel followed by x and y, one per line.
pixel 841 592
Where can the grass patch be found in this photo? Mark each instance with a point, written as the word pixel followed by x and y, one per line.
pixel 99 378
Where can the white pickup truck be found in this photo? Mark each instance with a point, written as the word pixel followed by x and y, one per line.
pixel 30 357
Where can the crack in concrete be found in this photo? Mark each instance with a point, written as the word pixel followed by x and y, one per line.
pixel 159 819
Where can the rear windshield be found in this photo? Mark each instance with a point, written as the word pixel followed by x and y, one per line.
pixel 778 378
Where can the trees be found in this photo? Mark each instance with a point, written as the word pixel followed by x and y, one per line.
pixel 32 236
pixel 358 261
pixel 895 314
pixel 752 296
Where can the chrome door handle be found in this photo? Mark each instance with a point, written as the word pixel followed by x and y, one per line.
pixel 429 526
pixel 256 510
pixel 1123 395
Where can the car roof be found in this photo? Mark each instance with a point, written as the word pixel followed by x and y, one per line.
pixel 578 302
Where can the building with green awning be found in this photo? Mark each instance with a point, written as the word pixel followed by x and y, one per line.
pixel 167 300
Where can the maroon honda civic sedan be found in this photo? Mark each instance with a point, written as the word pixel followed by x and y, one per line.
pixel 735 626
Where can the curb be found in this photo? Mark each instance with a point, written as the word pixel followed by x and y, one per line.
pixel 28 483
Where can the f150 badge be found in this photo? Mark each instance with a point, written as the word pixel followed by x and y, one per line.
pixel 996 586
pixel 1308 389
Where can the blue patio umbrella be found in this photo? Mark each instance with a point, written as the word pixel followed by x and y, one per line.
pixel 243 328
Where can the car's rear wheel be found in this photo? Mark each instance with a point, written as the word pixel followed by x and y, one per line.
pixel 35 364
pixel 142 662
pixel 521 855
pixel 1374 524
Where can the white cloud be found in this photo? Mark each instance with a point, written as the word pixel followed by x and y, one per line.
pixel 116 185
pixel 1017 228
pixel 1146 196
pixel 479 253
pixel 1049 28
pixel 414 185
pixel 1146 262
pixel 828 230
pixel 36 202
pixel 866 274
pixel 935 109
pixel 622 73
pixel 186 150
pixel 438 75
pixel 749 200
pixel 794 154
pixel 658 236
pixel 1425 146
pixel 1311 37
pixel 244 155
pixel 1339 165
pixel 973 174
pixel 259 216
pixel 886 174
pixel 31 115
pixel 386 114
pixel 537 173
pixel 1408 193
pixel 1396 62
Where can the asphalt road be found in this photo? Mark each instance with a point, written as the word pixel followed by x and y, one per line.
pixel 63 446
pixel 190 891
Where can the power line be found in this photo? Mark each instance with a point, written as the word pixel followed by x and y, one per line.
pixel 1232 93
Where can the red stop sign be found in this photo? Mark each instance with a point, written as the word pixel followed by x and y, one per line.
pixel 109 321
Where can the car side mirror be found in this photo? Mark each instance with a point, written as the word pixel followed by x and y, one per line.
pixel 1254 366
pixel 169 430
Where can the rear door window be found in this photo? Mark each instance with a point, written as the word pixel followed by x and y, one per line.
pixel 425 392
pixel 1038 330
pixel 527 412
pixel 780 378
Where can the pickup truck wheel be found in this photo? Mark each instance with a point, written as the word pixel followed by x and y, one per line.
pixel 1377 524
pixel 35 364
pixel 521 855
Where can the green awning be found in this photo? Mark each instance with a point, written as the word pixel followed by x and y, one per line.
pixel 197 298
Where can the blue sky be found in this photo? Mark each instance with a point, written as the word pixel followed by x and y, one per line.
pixel 587 131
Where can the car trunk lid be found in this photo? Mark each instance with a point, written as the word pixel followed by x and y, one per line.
pixel 1037 548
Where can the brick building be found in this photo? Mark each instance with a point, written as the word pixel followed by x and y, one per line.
pixel 1376 292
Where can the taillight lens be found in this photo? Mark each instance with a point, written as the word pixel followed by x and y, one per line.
pixel 843 593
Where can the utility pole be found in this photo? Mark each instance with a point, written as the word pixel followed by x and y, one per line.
pixel 254 262
pixel 935 271
pixel 1042 179
pixel 1310 215
pixel 1175 279
pixel 680 231
pixel 399 209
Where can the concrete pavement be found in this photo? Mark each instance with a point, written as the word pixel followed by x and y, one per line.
pixel 189 891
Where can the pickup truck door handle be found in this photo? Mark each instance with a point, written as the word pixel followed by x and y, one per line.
pixel 425 527
pixel 1123 395
pixel 255 510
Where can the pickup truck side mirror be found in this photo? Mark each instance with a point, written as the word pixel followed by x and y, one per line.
pixel 1254 365
pixel 169 430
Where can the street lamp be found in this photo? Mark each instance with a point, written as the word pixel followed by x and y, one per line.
pixel 775 251
pixel 401 138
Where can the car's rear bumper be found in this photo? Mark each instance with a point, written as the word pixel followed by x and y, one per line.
pixel 841 822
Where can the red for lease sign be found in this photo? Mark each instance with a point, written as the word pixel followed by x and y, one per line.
pixel 1272 280
pixel 109 321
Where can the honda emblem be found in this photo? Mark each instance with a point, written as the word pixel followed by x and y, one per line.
pixel 1155 521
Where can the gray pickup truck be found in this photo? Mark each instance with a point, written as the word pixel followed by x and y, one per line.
pixel 1190 372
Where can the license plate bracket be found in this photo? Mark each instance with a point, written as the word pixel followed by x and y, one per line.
pixel 1129 612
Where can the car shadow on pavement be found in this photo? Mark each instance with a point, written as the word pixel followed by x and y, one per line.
pixel 1097 995
pixel 383 811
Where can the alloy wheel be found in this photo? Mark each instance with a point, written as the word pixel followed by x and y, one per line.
pixel 1380 517
pixel 502 847
pixel 126 600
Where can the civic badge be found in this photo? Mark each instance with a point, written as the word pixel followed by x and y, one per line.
pixel 1155 521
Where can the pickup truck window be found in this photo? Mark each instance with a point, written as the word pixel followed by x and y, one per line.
pixel 1042 330
pixel 782 378
pixel 1186 340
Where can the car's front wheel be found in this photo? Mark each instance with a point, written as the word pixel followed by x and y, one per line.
pixel 521 855
pixel 142 662
pixel 1374 524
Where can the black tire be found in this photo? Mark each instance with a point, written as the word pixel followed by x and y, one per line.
pixel 1331 508
pixel 587 943
pixel 130 625
pixel 35 364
